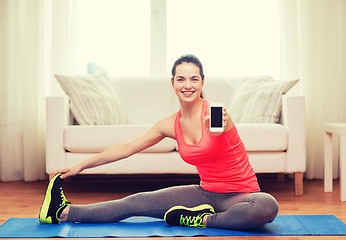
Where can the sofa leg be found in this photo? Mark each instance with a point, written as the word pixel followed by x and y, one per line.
pixel 298 183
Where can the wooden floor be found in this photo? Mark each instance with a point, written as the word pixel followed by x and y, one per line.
pixel 23 199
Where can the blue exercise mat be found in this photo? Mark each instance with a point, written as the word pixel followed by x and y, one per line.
pixel 150 227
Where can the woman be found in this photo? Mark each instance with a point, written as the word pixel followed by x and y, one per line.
pixel 228 195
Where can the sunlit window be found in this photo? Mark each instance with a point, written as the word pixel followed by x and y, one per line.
pixel 231 37
pixel 115 35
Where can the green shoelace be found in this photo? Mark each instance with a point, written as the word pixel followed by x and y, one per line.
pixel 193 221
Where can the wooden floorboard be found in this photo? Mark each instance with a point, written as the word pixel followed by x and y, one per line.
pixel 23 199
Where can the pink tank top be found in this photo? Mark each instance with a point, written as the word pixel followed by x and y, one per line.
pixel 222 161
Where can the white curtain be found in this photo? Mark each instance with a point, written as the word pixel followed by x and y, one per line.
pixel 26 58
pixel 313 48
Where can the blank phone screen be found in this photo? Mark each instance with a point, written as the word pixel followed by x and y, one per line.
pixel 216 117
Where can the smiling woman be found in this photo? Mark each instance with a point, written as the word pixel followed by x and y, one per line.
pixel 196 65
pixel 228 195
pixel 188 86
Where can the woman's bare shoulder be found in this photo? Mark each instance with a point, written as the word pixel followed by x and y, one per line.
pixel 166 126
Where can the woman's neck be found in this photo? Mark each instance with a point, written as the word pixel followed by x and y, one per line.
pixel 190 109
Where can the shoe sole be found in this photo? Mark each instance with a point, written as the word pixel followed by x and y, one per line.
pixel 198 208
pixel 46 202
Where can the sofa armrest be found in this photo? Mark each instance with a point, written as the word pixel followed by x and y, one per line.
pixel 57 118
pixel 293 118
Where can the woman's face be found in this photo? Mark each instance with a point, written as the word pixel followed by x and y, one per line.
pixel 187 82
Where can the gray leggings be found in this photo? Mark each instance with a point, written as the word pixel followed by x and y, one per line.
pixel 233 210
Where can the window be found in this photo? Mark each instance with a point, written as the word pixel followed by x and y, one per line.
pixel 115 35
pixel 231 37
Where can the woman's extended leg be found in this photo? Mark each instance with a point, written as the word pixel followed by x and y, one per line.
pixel 233 210
pixel 151 204
pixel 55 207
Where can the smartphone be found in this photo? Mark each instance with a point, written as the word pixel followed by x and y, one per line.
pixel 216 117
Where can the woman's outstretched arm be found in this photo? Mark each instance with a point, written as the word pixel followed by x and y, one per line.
pixel 160 130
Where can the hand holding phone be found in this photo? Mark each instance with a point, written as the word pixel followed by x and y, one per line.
pixel 216 123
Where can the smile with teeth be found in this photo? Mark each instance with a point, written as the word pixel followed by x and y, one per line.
pixel 188 93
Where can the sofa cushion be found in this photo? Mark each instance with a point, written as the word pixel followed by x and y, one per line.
pixel 222 89
pixel 146 100
pixel 259 100
pixel 268 162
pixel 141 163
pixel 93 100
pixel 94 139
pixel 263 137
pixel 87 139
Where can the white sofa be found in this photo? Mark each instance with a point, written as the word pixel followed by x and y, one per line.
pixel 272 148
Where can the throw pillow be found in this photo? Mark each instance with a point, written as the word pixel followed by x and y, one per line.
pixel 93 100
pixel 259 101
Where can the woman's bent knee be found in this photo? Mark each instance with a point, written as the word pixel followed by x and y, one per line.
pixel 268 207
